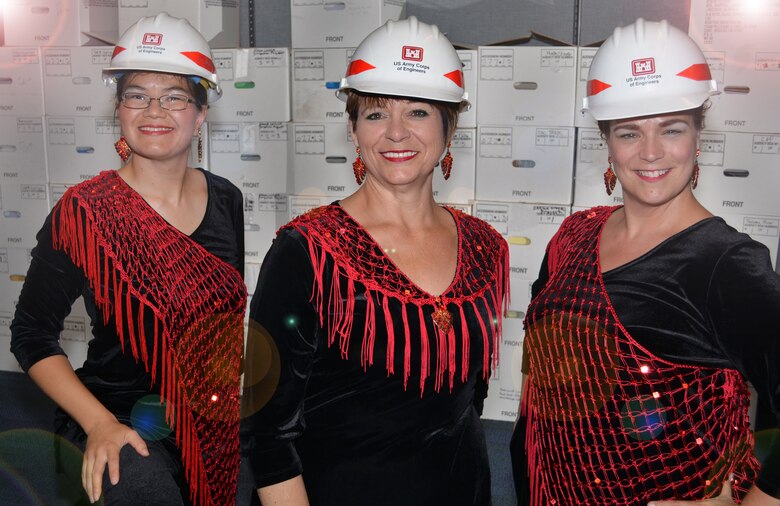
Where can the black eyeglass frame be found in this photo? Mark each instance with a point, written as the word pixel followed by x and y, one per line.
pixel 172 98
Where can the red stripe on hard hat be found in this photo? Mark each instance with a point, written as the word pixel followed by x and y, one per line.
pixel 456 76
pixel 200 59
pixel 595 86
pixel 697 72
pixel 358 66
pixel 117 50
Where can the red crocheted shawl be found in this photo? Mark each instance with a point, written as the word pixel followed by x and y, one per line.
pixel 137 264
pixel 608 422
pixel 481 280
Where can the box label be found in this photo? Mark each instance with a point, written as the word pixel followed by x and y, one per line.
pixel 309 139
pixel 496 64
pixel 552 137
pixel 495 142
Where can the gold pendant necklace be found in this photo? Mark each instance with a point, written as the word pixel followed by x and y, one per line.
pixel 441 317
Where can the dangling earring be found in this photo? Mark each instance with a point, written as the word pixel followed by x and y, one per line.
pixel 359 168
pixel 122 149
pixel 695 176
pixel 200 146
pixel 610 179
pixel 446 164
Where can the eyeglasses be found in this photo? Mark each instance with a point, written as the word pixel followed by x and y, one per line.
pixel 133 100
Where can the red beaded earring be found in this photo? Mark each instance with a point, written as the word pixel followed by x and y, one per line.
pixel 200 146
pixel 695 176
pixel 359 168
pixel 446 164
pixel 610 179
pixel 122 149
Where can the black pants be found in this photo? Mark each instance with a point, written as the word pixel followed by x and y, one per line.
pixel 520 464
pixel 154 480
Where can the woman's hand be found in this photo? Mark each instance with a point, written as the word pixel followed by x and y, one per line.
pixel 754 497
pixel 105 435
pixel 724 499
pixel 104 441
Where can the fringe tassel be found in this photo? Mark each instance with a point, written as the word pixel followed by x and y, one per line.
pixel 498 327
pixel 128 308
pixel 465 345
pixel 155 350
pixel 492 308
pixel 117 303
pixel 369 334
pixel 532 449
pixel 318 264
pixel 390 335
pixel 348 318
pixel 442 357
pixel 142 337
pixel 486 337
pixel 425 359
pixel 334 298
pixel 407 346
pixel 106 284
pixel 452 348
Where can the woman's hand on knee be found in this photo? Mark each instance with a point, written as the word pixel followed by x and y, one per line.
pixel 104 441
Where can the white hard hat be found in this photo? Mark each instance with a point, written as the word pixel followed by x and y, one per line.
pixel 647 68
pixel 406 58
pixel 164 43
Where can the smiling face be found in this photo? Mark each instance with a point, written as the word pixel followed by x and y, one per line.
pixel 653 157
pixel 155 133
pixel 400 140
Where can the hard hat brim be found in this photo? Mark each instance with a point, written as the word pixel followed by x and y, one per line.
pixel 653 106
pixel 411 93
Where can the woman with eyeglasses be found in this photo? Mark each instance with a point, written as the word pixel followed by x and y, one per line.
pixel 156 250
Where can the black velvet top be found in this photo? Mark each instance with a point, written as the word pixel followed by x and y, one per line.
pixel 684 313
pixel 354 432
pixel 53 283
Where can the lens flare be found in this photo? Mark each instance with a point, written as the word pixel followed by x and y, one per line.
pixel 559 369
pixel 147 418
pixel 220 360
pixel 754 6
pixel 643 418
pixel 262 368
pixel 291 321
pixel 31 461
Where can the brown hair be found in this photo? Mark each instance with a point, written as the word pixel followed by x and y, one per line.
pixel 449 111
pixel 697 115
pixel 197 90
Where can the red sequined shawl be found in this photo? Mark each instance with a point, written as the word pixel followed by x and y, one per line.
pixel 482 279
pixel 138 264
pixel 609 423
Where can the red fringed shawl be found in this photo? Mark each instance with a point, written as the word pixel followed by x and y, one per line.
pixel 482 279
pixel 138 264
pixel 609 423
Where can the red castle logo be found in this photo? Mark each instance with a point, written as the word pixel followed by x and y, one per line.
pixel 412 53
pixel 152 39
pixel 643 66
